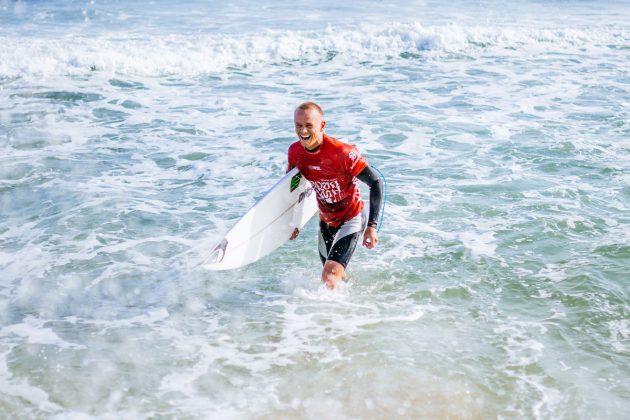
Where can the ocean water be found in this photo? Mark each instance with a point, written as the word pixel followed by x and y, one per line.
pixel 133 134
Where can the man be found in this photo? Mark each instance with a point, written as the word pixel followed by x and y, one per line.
pixel 333 168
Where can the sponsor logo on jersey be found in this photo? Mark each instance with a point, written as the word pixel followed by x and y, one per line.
pixel 354 156
pixel 328 190
pixel 315 168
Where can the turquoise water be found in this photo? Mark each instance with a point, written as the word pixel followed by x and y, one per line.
pixel 134 134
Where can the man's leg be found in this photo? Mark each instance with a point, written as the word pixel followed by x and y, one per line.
pixel 343 246
pixel 325 240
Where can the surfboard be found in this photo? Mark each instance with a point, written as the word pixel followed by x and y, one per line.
pixel 268 224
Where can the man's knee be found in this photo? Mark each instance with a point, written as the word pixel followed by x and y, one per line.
pixel 333 271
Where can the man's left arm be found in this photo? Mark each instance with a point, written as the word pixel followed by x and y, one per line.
pixel 374 182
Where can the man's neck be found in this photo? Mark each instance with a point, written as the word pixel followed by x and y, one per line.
pixel 313 150
pixel 316 148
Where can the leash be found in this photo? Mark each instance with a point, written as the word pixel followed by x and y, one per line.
pixel 380 222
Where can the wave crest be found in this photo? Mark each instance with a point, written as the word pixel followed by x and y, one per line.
pixel 192 55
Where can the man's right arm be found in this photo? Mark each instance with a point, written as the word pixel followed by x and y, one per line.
pixel 290 160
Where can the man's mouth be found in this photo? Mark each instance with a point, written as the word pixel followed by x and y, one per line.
pixel 305 138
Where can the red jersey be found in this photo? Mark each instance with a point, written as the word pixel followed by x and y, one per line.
pixel 332 169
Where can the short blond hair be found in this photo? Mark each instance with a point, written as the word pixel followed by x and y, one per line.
pixel 311 105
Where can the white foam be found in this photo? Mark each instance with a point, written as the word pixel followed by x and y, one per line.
pixel 201 54
pixel 553 272
pixel 479 243
pixel 32 330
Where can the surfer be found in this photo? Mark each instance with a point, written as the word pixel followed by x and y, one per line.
pixel 333 168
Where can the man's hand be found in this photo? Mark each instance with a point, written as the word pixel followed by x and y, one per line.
pixel 370 238
pixel 295 234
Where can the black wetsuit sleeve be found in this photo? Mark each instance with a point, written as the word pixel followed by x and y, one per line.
pixel 369 177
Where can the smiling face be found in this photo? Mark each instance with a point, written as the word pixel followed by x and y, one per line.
pixel 309 127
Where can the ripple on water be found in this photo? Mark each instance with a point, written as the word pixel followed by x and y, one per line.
pixel 127 84
pixel 129 104
pixel 15 171
pixel 30 138
pixel 109 116
pixel 616 251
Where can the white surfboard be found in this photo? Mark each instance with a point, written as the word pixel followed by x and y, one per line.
pixel 269 223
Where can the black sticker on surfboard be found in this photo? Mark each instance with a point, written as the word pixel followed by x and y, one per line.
pixel 295 181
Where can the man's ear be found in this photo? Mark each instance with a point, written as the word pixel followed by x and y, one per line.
pixel 323 124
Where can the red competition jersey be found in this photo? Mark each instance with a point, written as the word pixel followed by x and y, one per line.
pixel 332 169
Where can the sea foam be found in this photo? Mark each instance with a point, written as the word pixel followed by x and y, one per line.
pixel 193 55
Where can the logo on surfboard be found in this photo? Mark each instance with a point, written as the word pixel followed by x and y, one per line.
pixel 306 193
pixel 295 181
pixel 217 253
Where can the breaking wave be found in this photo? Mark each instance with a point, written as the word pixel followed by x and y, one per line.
pixel 192 55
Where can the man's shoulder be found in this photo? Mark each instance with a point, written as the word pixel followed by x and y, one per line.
pixel 335 145
pixel 332 141
pixel 340 146
pixel 348 154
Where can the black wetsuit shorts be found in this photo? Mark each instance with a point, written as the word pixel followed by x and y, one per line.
pixel 338 243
